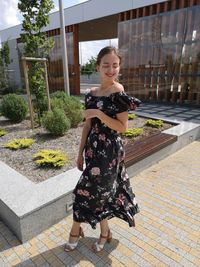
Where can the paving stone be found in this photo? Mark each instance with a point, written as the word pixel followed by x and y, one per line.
pixel 166 232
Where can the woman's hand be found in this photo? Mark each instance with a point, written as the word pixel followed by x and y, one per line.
pixel 92 113
pixel 79 162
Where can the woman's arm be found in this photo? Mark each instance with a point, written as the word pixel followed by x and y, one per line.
pixel 86 129
pixel 120 124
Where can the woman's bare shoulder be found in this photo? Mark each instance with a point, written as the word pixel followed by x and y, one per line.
pixel 91 90
pixel 118 88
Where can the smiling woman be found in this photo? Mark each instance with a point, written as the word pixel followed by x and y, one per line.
pixel 103 190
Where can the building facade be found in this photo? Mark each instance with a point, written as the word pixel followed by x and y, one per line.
pixel 159 42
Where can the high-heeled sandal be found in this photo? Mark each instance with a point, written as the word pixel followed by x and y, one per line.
pixel 71 246
pixel 99 247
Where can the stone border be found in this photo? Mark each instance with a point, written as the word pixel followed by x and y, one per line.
pixel 28 208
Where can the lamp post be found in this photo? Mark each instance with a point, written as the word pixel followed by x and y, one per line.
pixel 64 48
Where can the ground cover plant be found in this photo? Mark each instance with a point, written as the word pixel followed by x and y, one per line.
pixel 2 132
pixel 19 143
pixel 22 159
pixel 50 157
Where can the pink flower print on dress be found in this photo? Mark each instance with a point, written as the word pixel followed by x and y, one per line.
pixel 102 137
pixel 83 193
pixel 113 163
pixel 89 153
pixel 132 106
pixel 120 200
pixel 95 171
pixel 99 209
pixel 125 177
pixel 96 128
pixel 99 104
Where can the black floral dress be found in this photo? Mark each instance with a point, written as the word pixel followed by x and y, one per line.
pixel 103 190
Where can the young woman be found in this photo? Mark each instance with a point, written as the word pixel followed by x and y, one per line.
pixel 103 190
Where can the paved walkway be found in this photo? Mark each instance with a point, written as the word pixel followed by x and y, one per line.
pixel 179 112
pixel 170 111
pixel 167 229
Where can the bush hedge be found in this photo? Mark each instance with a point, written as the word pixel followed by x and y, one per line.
pixel 70 104
pixel 56 122
pixel 14 107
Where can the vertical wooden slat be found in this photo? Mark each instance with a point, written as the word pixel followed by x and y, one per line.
pixel 132 58
pixel 142 58
pixel 133 14
pixel 120 17
pixel 137 60
pixel 174 4
pixel 76 61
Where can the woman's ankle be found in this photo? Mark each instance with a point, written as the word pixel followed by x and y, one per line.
pixel 104 232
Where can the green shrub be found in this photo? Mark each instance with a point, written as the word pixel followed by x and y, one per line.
pixel 132 116
pixel 58 95
pixel 57 103
pixel 56 122
pixel 53 158
pixel 74 110
pixel 70 104
pixel 14 107
pixel 133 132
pixel 154 123
pixel 19 143
pixel 2 132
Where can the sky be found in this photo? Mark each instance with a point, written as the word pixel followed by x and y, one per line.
pixel 10 16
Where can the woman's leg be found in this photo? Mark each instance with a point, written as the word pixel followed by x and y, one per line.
pixel 104 227
pixel 105 236
pixel 75 230
pixel 75 233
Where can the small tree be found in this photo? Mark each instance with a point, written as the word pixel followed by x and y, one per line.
pixel 36 44
pixel 89 67
pixel 4 61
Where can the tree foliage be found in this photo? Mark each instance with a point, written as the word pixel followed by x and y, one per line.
pixel 35 14
pixel 89 67
pixel 36 44
pixel 4 61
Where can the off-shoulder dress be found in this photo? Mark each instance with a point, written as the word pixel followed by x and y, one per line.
pixel 103 190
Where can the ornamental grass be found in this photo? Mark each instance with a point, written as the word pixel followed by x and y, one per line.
pixel 19 143
pixel 154 123
pixel 2 132
pixel 52 158
pixel 133 132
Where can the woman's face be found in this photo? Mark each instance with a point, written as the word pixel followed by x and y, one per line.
pixel 109 67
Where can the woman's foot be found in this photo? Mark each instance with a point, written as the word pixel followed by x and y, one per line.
pixel 98 246
pixel 73 240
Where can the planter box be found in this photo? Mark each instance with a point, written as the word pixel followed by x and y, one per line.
pixel 28 208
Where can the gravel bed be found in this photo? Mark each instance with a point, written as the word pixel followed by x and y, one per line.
pixel 22 160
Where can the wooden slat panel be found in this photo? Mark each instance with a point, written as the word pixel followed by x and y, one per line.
pixel 133 14
pixel 144 148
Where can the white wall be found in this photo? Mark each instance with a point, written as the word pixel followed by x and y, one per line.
pixel 89 10
pixel 14 65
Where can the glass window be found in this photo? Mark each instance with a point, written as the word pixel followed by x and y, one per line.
pixel 162 55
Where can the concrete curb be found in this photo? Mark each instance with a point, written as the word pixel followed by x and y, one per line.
pixel 29 208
